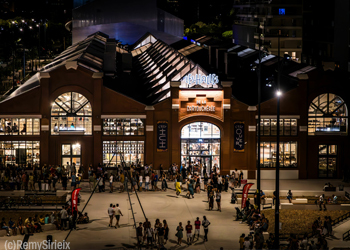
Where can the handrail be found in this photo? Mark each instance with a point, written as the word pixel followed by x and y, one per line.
pixel 346 235
pixel 340 219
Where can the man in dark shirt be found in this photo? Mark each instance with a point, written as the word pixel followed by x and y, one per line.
pixel 139 234
pixel 161 231
pixel 209 189
pixel 189 232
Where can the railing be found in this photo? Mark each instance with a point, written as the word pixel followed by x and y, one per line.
pixel 346 235
pixel 341 218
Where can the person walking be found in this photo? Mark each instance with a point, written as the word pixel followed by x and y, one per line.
pixel 110 212
pixel 197 228
pixel 218 199
pixel 149 234
pixel 117 213
pixel 179 233
pixel 205 224
pixel 164 183
pixel 147 182
pixel 178 187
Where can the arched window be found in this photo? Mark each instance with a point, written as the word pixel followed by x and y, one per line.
pixel 327 113
pixel 71 112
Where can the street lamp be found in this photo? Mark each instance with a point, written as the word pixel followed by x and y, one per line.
pixel 277 185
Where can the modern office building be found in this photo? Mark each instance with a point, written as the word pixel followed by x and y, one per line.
pixel 126 21
pixel 152 103
pixel 326 34
pixel 254 18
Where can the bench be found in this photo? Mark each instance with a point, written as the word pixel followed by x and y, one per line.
pixel 300 200
pixel 3 233
pixel 286 205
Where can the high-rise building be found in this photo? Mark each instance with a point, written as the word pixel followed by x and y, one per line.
pixel 326 33
pixel 254 18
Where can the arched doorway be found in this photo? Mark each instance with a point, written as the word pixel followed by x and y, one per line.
pixel 201 146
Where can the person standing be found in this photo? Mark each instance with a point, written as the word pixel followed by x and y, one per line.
pixel 178 186
pixel 110 214
pixel 179 233
pixel 211 201
pixel 149 234
pixel 218 200
pixel 73 183
pixel 111 183
pixel 197 228
pixel 205 224
pixel 139 235
pixel 140 182
pixel 117 213
pixel 189 232
pixel 147 182
pixel 161 232
pixel 64 216
pixel 166 231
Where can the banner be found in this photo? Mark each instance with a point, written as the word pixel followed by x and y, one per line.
pixel 162 136
pixel 75 195
pixel 246 188
pixel 238 137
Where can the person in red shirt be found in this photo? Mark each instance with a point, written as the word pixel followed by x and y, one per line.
pixel 197 228
pixel 189 233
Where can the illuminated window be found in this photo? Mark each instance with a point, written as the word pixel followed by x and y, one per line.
pixel 129 152
pixel 19 126
pixel 71 111
pixel 23 153
pixel 327 114
pixel 288 127
pixel 288 154
pixel 130 126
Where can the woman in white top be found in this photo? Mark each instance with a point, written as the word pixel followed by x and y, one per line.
pixel 146 183
pixel 140 182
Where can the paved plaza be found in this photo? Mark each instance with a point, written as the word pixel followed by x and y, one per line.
pixel 223 231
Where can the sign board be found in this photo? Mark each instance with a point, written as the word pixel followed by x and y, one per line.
pixel 238 137
pixel 206 81
pixel 200 103
pixel 162 136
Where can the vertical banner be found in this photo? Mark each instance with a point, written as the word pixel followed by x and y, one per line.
pixel 75 195
pixel 162 136
pixel 245 193
pixel 238 137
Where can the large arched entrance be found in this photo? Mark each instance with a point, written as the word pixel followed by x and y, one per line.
pixel 200 146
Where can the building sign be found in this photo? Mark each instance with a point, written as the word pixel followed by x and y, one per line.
pixel 206 81
pixel 201 102
pixel 238 137
pixel 162 136
pixel 201 106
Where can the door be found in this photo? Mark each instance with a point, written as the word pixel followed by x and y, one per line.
pixel 71 153
pixel 327 161
pixel 206 164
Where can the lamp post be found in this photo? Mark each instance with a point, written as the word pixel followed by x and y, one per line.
pixel 258 177
pixel 277 185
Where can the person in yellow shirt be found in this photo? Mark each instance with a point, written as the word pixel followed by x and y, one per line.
pixel 241 242
pixel 122 179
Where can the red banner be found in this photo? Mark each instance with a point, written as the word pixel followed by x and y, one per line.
pixel 246 188
pixel 75 195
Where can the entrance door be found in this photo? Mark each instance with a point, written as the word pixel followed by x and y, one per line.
pixel 206 165
pixel 71 153
pixel 327 161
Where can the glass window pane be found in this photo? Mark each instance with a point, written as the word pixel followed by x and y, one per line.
pixel 76 148
pixel 332 149
pixel 22 126
pixel 266 126
pixel 2 126
pixel 322 167
pixel 286 126
pixel 273 126
pixel 36 127
pixel 294 127
pixel 322 149
pixel 66 149
pixel 14 126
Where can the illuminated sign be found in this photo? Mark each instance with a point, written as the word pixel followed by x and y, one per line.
pixel 199 79
pixel 201 108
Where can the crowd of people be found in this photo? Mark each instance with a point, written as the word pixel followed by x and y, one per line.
pixel 63 220
pixel 158 235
